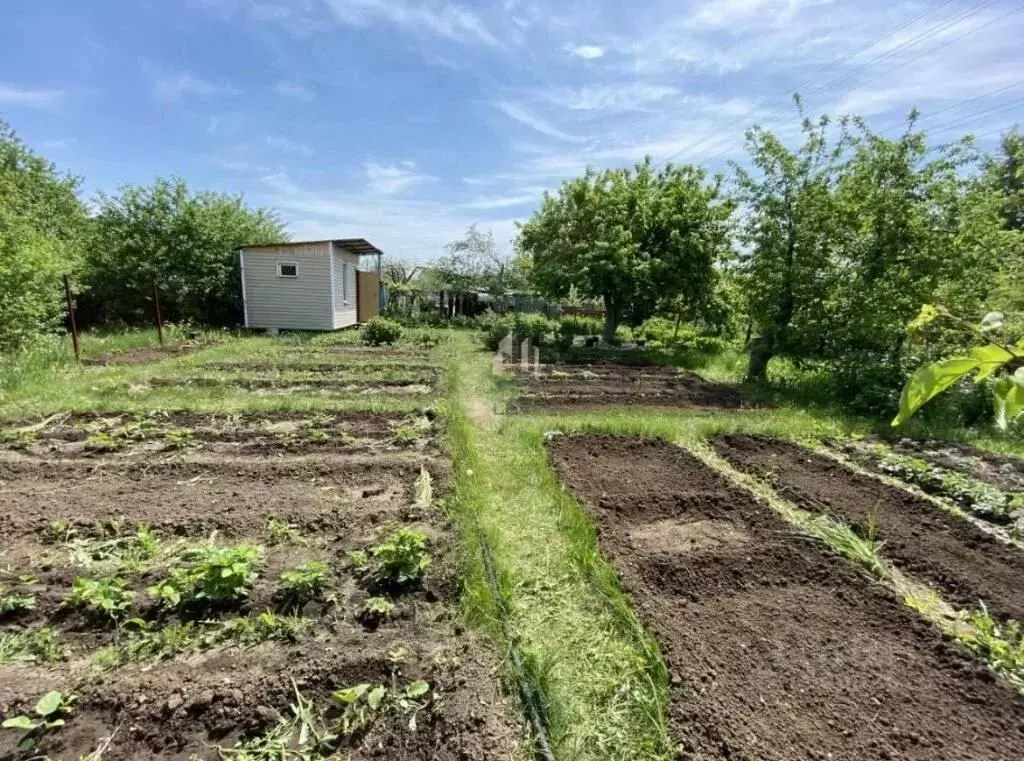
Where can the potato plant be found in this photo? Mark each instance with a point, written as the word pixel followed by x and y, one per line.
pixel 106 597
pixel 214 575
pixel 304 582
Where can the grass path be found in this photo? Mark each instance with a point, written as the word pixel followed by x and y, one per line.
pixel 600 676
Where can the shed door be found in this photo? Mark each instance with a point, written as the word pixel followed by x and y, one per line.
pixel 367 288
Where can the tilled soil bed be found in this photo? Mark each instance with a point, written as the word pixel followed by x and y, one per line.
pixel 145 355
pixel 777 649
pixel 1002 471
pixel 129 434
pixel 967 564
pixel 67 519
pixel 320 386
pixel 568 387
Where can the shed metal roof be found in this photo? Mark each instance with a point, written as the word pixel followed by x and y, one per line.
pixel 359 246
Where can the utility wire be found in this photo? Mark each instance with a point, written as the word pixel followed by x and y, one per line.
pixel 785 96
pixel 971 117
pixel 920 55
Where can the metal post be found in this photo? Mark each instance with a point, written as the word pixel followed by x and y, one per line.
pixel 71 316
pixel 159 317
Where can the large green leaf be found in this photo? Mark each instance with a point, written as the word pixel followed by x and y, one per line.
pixel 19 722
pixel 1001 397
pixel 1015 401
pixel 50 703
pixel 929 381
pixel 991 357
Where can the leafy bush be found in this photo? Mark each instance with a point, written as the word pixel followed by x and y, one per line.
pixel 215 575
pixel 106 597
pixel 401 559
pixel 662 332
pixel 306 581
pixel 381 330
pixel 536 327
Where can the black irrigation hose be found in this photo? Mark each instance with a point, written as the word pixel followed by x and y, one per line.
pixel 526 692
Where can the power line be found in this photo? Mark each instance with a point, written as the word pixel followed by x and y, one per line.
pixel 970 31
pixel 848 56
pixel 960 121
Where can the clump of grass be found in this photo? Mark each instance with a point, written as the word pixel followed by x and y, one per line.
pixel 103 441
pixel 406 434
pixel 30 646
pixel 17 438
pixel 1001 644
pixel 179 438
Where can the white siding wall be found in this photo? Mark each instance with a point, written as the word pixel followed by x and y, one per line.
pixel 302 303
pixel 345 308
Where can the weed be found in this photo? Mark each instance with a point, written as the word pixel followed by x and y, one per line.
pixel 406 434
pixel 278 531
pixel 108 597
pixel 58 532
pixel 375 610
pixel 398 655
pixel 1002 645
pixel 304 582
pixel 215 575
pixel 363 703
pixel 179 438
pixel 17 438
pixel 251 630
pixel 102 441
pixel 49 714
pixel 401 559
pixel 30 646
pixel 318 435
pixel 15 604
pixel 358 560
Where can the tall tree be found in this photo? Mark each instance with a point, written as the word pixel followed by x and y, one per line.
pixel 187 242
pixel 42 222
pixel 633 238
pixel 474 261
pixel 790 210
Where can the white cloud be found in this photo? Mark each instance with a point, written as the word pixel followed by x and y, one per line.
pixel 392 179
pixel 588 52
pixel 524 197
pixel 293 90
pixel 28 97
pixel 632 96
pixel 421 18
pixel 173 86
pixel 287 145
pixel 534 122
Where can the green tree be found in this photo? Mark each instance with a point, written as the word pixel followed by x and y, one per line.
pixel 187 242
pixel 790 205
pixel 633 238
pixel 474 262
pixel 42 222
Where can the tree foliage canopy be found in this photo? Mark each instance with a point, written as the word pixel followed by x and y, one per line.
pixel 42 222
pixel 187 242
pixel 631 237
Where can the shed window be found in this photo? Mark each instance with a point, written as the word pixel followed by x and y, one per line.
pixel 287 269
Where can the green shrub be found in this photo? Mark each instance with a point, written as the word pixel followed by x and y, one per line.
pixel 104 597
pixel 660 331
pixel 381 330
pixel 402 558
pixel 214 575
pixel 305 582
pixel 536 327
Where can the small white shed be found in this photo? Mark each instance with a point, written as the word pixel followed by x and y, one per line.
pixel 309 285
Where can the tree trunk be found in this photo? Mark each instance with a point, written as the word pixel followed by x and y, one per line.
pixel 611 320
pixel 761 352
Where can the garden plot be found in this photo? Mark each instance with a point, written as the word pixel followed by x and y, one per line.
pixel 581 386
pixel 274 387
pixel 133 434
pixel 967 564
pixel 145 355
pixel 776 648
pixel 989 487
pixel 375 370
pixel 184 607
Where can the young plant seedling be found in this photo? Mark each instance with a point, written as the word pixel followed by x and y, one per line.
pixel 48 715
pixel 30 646
pixel 305 582
pixel 407 434
pixel 179 438
pixel 215 575
pixel 279 531
pixel 375 611
pixel 13 604
pixel 102 441
pixel 109 597
pixel 402 559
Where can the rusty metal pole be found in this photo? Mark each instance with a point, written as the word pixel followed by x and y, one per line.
pixel 159 317
pixel 71 317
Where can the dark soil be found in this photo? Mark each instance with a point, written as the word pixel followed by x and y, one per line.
pixel 1002 471
pixel 778 650
pixel 965 563
pixel 194 497
pixel 359 350
pixel 145 355
pixel 286 386
pixel 337 368
pixel 237 433
pixel 570 387
pixel 185 707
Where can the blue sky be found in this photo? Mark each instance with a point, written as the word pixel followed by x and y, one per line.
pixel 404 121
